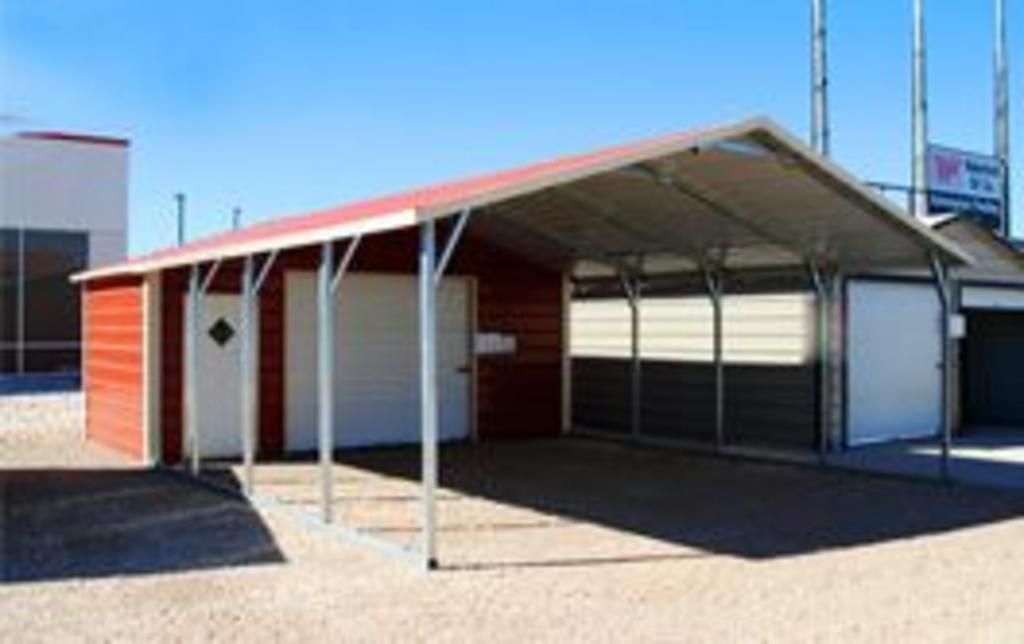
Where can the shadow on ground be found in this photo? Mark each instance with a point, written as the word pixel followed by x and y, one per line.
pixel 64 523
pixel 750 510
pixel 59 524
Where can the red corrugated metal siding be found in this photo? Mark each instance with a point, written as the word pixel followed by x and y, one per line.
pixel 518 395
pixel 113 363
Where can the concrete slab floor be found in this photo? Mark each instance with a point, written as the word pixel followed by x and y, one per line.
pixel 985 457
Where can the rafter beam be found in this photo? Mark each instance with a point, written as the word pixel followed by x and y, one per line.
pixel 346 261
pixel 450 245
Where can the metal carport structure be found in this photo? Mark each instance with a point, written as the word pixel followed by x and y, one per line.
pixel 746 202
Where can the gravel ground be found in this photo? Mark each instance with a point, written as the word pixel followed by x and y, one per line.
pixel 545 540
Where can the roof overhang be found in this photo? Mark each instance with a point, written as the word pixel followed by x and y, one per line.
pixel 998 243
pixel 746 196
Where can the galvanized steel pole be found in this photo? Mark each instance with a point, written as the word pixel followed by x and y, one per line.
pixel 179 200
pixel 428 389
pixel 325 380
pixel 250 374
pixel 636 373
pixel 714 285
pixel 823 290
pixel 191 367
pixel 1002 108
pixel 919 117
pixel 820 134
pixel 940 274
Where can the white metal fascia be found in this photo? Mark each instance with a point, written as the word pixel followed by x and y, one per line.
pixel 393 221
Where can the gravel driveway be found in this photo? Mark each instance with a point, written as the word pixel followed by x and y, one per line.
pixel 543 540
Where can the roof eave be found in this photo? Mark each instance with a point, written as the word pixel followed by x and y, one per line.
pixel 382 223
pixel 879 205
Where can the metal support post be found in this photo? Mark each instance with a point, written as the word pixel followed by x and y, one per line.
pixel 192 300
pixel 636 372
pixel 941 275
pixel 823 291
pixel 631 288
pixel 428 389
pixel 715 286
pixel 250 375
pixel 325 380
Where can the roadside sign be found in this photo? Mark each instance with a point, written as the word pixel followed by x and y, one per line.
pixel 966 183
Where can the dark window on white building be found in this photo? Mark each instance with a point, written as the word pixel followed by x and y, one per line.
pixel 40 309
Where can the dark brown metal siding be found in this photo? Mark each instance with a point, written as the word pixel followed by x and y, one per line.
pixel 765 405
pixel 993 369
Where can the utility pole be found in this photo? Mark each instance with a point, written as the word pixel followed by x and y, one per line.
pixel 919 117
pixel 179 199
pixel 236 218
pixel 820 134
pixel 1002 109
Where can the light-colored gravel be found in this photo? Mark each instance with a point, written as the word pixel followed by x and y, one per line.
pixel 542 541
pixel 41 429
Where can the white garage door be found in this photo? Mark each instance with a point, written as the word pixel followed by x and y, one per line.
pixel 218 390
pixel 895 359
pixel 376 360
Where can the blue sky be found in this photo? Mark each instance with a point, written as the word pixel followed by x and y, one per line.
pixel 281 107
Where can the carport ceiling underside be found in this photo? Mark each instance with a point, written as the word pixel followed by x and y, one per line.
pixel 740 204
pixel 741 198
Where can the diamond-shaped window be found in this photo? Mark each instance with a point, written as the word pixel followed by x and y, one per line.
pixel 221 332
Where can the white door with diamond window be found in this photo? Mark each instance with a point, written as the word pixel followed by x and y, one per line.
pixel 218 390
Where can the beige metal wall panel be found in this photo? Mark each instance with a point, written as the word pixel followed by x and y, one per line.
pixel 599 329
pixel 770 374
pixel 676 329
pixel 758 329
pixel 768 329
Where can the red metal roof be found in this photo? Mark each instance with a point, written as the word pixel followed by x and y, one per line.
pixel 421 199
pixel 408 208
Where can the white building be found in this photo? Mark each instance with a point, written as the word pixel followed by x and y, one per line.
pixel 63 208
